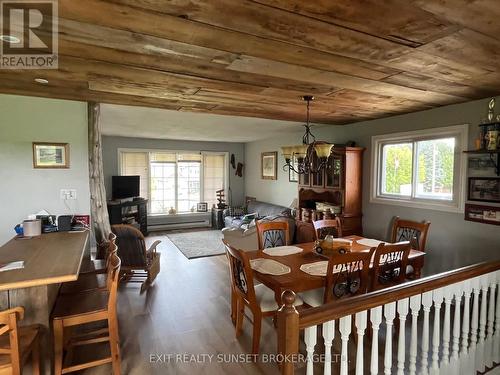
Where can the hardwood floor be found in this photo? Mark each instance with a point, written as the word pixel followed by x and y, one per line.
pixel 181 325
pixel 186 312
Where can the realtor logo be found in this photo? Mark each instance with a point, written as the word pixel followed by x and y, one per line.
pixel 28 34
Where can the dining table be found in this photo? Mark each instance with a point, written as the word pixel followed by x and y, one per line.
pixel 48 260
pixel 300 281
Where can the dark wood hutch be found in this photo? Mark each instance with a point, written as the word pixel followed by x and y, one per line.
pixel 339 185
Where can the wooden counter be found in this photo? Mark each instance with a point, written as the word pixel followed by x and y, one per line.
pixel 49 259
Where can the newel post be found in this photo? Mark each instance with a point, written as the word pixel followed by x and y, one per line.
pixel 288 332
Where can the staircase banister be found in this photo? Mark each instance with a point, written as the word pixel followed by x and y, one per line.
pixel 335 310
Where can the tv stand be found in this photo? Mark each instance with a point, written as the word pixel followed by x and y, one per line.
pixel 133 212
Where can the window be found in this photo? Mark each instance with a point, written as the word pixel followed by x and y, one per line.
pixel 176 179
pixel 422 169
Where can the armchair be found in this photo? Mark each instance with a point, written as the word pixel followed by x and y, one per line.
pixel 138 263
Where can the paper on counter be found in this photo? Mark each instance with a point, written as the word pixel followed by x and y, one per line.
pixel 12 266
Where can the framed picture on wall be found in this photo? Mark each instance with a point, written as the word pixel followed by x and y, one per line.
pixel 202 207
pixel 292 175
pixel 50 155
pixel 486 189
pixel 269 165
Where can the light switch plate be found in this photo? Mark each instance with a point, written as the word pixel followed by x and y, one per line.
pixel 68 194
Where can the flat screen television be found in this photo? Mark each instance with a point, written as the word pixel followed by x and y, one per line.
pixel 125 186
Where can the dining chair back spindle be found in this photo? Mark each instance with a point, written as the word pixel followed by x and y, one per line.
pixel 348 275
pixel 332 227
pixel 272 234
pixel 389 264
pixel 407 230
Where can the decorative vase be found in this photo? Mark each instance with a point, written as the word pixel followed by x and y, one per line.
pixel 172 211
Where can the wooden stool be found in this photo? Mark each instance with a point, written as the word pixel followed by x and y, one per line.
pixel 92 280
pixel 84 308
pixel 99 265
pixel 17 343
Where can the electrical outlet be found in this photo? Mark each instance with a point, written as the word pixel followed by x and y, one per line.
pixel 68 194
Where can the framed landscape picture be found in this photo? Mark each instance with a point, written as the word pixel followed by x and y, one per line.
pixel 269 165
pixel 486 189
pixel 50 155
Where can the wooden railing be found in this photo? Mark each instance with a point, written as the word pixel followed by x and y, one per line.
pixel 465 344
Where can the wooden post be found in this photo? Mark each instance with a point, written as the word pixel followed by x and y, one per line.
pixel 288 332
pixel 99 211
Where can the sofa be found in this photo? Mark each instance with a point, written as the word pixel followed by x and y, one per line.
pixel 240 230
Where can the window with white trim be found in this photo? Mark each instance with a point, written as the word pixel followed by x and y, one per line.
pixel 173 179
pixel 423 169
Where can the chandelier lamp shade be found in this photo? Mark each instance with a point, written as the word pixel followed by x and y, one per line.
pixel 311 156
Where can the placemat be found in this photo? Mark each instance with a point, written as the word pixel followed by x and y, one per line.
pixel 316 268
pixel 269 266
pixel 282 250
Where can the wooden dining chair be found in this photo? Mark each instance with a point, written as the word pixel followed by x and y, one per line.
pixel 407 230
pixel 100 265
pixel 91 280
pixel 389 264
pixel 259 299
pixel 17 344
pixel 333 227
pixel 272 234
pixel 347 275
pixel 81 309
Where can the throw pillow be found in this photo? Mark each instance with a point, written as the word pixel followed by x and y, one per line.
pixel 248 218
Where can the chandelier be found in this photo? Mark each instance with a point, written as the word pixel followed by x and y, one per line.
pixel 312 155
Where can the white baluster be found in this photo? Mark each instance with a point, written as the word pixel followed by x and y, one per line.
pixel 464 352
pixel 402 312
pixel 448 292
pixel 483 280
pixel 426 303
pixel 415 303
pixel 496 341
pixel 345 330
pixel 310 341
pixel 474 324
pixel 360 322
pixel 454 362
pixel 376 319
pixel 491 322
pixel 389 314
pixel 328 335
pixel 437 297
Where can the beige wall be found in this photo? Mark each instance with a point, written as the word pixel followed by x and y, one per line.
pixel 25 190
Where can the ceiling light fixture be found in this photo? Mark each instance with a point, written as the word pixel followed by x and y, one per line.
pixel 312 155
pixel 10 39
pixel 42 81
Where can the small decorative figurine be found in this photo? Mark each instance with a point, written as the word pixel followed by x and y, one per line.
pixel 491 107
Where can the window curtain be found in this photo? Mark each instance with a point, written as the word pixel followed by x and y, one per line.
pixel 98 208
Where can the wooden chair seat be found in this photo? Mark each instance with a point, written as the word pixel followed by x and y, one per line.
pixel 68 306
pixel 93 265
pixel 85 283
pixel 265 298
pixel 27 336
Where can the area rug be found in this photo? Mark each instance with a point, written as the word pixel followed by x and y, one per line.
pixel 198 244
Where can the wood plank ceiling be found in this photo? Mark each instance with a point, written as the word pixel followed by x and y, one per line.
pixel 362 59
